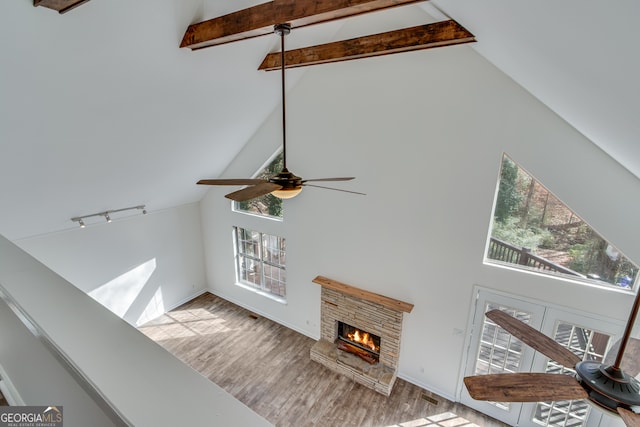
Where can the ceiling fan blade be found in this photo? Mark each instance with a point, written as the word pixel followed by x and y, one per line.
pixel 631 358
pixel 335 189
pixel 253 191
pixel 631 419
pixel 231 181
pixel 349 178
pixel 524 387
pixel 535 339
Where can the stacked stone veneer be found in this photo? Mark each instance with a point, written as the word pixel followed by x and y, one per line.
pixel 367 316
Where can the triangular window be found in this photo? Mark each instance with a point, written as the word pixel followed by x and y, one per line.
pixel 268 205
pixel 534 230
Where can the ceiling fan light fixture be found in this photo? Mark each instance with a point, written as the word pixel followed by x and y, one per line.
pixel 287 193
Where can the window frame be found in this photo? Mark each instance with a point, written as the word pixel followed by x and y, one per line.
pixel 579 278
pixel 264 261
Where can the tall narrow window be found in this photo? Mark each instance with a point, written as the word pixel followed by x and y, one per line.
pixel 534 230
pixel 268 205
pixel 499 352
pixel 260 261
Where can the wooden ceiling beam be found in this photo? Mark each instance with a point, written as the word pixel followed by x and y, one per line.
pixel 62 6
pixel 445 33
pixel 259 20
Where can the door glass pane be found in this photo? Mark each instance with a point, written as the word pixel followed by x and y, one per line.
pixel 499 352
pixel 588 345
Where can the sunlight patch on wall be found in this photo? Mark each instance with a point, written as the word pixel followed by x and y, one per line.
pixel 154 309
pixel 118 294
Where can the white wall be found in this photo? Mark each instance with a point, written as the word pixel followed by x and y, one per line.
pixel 138 266
pixel 424 133
pixel 39 378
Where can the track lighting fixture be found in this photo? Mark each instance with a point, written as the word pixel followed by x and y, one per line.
pixel 107 214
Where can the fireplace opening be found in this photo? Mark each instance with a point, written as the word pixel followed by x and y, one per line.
pixel 361 343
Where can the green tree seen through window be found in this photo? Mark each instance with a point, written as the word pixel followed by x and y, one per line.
pixel 509 198
pixel 533 229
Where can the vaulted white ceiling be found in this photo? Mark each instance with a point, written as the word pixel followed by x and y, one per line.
pixel 100 109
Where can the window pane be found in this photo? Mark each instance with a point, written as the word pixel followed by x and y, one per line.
pixel 274 280
pixel 261 261
pixel 274 250
pixel 534 230
pixel 499 352
pixel 249 270
pixel 250 243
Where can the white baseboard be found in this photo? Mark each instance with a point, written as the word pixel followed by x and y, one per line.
pixel 172 306
pixel 186 299
pixel 427 387
pixel 263 314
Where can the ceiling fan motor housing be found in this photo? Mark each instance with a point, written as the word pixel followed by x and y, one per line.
pixel 608 387
pixel 287 180
pixel 282 29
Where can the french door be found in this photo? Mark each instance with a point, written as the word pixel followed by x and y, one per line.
pixel 492 350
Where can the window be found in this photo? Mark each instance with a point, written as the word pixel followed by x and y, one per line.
pixel 260 261
pixel 498 351
pixel 532 229
pixel 268 205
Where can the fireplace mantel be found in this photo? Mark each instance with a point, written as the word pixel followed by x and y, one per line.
pixel 391 303
pixel 366 311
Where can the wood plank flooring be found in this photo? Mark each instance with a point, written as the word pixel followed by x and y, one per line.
pixel 267 367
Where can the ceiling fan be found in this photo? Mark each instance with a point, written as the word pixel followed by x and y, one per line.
pixel 606 385
pixel 285 184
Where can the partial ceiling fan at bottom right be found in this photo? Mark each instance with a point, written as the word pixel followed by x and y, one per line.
pixel 605 385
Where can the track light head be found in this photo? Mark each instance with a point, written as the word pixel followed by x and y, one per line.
pixel 107 217
pixel 82 224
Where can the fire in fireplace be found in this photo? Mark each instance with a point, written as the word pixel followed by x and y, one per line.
pixel 361 343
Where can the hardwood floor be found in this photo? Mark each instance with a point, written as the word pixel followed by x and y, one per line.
pixel 267 367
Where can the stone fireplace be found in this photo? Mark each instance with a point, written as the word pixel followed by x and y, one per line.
pixel 347 314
